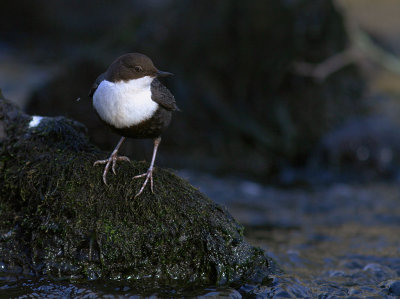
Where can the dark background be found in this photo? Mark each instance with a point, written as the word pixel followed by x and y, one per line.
pixel 250 120
pixel 245 109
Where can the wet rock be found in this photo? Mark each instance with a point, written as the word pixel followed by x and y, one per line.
pixel 379 272
pixel 57 218
pixel 392 287
pixel 279 288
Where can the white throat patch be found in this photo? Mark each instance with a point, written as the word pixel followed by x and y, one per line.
pixel 124 104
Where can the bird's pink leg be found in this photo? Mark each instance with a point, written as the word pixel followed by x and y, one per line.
pixel 112 160
pixel 149 173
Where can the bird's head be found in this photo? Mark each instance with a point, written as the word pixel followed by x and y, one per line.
pixel 134 66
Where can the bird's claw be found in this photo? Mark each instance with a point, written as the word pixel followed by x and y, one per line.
pixel 148 175
pixel 119 158
pixel 111 161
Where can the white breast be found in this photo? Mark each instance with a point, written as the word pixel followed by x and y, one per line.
pixel 124 104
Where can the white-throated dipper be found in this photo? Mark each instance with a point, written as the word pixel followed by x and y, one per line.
pixel 130 99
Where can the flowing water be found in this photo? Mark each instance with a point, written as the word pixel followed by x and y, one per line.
pixel 333 241
pixel 337 241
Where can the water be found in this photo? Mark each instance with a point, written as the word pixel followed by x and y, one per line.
pixel 330 241
pixel 44 288
pixel 337 241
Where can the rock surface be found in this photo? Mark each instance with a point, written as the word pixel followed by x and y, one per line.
pixel 57 218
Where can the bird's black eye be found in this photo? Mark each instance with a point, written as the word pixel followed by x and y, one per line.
pixel 138 68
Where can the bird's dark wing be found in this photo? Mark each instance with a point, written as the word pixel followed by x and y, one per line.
pixel 161 95
pixel 96 84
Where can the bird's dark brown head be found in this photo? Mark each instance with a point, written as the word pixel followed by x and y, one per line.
pixel 132 66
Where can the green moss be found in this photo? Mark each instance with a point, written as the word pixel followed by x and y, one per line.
pixel 71 224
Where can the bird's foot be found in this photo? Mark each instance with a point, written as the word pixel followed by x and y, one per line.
pixel 148 175
pixel 111 161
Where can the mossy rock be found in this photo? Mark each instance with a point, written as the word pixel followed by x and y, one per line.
pixel 57 218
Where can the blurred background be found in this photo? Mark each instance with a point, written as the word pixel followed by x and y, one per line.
pixel 251 102
pixel 302 94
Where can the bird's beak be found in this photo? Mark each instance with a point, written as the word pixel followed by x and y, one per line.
pixel 163 74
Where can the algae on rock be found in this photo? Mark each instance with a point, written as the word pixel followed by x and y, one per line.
pixel 57 218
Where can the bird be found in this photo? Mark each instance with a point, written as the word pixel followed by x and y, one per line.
pixel 130 99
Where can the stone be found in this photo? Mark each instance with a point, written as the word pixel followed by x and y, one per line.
pixel 57 218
